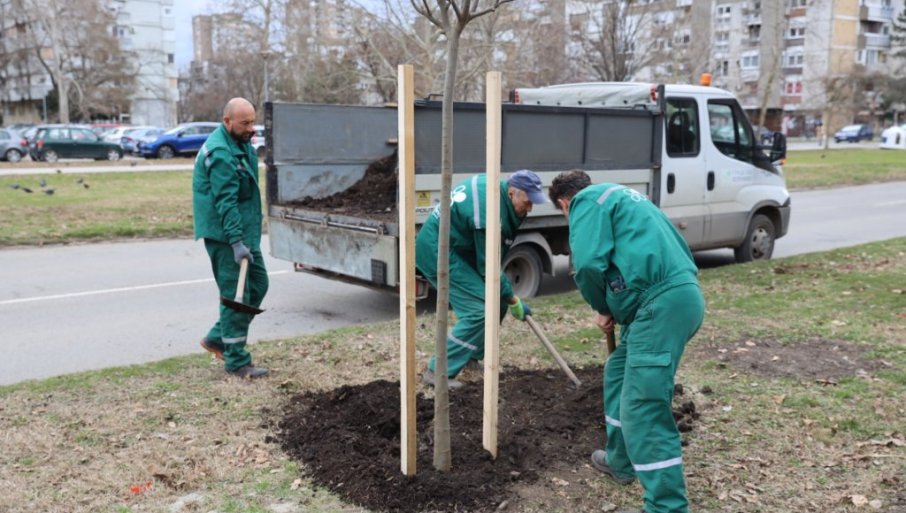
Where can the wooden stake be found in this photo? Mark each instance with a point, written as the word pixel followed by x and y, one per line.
pixel 406 207
pixel 492 264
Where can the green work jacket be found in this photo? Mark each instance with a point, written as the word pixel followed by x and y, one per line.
pixel 468 203
pixel 226 201
pixel 625 251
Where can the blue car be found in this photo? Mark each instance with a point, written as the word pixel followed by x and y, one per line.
pixel 129 141
pixel 185 139
pixel 854 133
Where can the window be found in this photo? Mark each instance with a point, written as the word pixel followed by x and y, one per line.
pixel 4 135
pixel 798 3
pixel 83 135
pixel 682 37
pixel 749 60
pixel 793 85
pixel 794 59
pixel 682 127
pixel 796 33
pixel 721 38
pixel 170 58
pixel 723 68
pixel 729 129
pixel 723 11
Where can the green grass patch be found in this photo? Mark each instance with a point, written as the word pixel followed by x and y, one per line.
pixel 184 425
pixel 834 168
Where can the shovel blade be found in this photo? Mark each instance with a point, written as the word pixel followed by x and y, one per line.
pixel 240 307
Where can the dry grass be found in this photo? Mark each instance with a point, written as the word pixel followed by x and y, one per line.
pixel 92 442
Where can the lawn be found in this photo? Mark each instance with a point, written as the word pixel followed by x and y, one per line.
pixel 798 374
pixel 99 206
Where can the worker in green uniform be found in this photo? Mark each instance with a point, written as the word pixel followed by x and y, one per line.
pixel 226 204
pixel 467 260
pixel 634 268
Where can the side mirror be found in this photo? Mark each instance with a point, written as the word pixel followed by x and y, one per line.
pixel 778 148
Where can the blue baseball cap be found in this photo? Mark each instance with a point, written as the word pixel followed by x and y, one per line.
pixel 528 181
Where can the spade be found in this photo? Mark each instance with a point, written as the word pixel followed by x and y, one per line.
pixel 236 303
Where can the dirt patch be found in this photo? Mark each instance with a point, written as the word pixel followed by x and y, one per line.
pixel 819 360
pixel 348 439
pixel 374 196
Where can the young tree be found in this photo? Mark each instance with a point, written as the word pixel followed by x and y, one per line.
pixel 451 17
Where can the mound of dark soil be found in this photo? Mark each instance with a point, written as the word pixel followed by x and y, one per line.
pixel 374 196
pixel 348 440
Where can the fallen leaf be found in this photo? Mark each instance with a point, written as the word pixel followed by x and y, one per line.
pixel 775 358
pixel 837 322
pixel 296 484
pixel 858 500
pixel 559 482
pixel 750 343
pixel 875 504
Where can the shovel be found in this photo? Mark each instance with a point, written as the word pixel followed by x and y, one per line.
pixel 552 350
pixel 237 304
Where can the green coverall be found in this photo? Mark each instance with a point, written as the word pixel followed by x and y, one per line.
pixel 467 245
pixel 226 204
pixel 631 263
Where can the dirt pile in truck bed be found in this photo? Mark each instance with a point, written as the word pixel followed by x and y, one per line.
pixel 374 196
pixel 349 441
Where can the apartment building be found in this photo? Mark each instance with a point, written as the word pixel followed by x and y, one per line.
pixel 802 63
pixel 145 28
pixel 24 84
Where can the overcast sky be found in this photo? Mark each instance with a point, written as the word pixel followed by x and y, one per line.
pixel 183 12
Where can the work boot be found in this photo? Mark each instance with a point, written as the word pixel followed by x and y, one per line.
pixel 475 365
pixel 213 347
pixel 428 379
pixel 248 372
pixel 599 461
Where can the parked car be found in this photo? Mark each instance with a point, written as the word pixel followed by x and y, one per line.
pixel 114 134
pixel 129 142
pixel 765 136
pixel 854 133
pixel 12 148
pixel 184 139
pixel 258 141
pixel 894 138
pixel 53 142
pixel 102 129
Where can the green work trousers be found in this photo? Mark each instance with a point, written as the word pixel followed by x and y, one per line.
pixel 642 439
pixel 232 328
pixel 466 341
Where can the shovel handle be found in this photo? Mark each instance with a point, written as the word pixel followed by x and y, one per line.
pixel 552 350
pixel 611 343
pixel 240 287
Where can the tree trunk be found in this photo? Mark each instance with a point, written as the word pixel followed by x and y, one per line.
pixel 442 451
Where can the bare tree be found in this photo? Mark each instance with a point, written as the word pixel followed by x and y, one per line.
pixel 451 17
pixel 75 43
pixel 621 41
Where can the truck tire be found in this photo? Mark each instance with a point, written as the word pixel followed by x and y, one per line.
pixel 522 266
pixel 759 243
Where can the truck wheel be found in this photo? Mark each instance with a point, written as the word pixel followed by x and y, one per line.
pixel 522 266
pixel 759 243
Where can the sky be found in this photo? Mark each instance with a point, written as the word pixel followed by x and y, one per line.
pixel 183 12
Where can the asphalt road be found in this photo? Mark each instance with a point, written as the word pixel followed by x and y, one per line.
pixel 71 308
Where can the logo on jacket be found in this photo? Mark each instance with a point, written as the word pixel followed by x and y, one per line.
pixel 459 194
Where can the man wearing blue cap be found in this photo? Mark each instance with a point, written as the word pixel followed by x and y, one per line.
pixel 467 245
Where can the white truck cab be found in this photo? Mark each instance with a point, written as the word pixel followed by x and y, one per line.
pixel 717 184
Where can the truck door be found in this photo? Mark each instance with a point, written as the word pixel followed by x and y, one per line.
pixel 731 157
pixel 682 175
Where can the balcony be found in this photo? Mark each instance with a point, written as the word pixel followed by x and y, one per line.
pixel 749 75
pixel 882 13
pixel 869 40
pixel 753 19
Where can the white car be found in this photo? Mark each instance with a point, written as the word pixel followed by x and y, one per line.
pixel 894 138
pixel 258 141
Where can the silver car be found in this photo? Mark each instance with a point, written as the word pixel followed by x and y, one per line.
pixel 11 147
